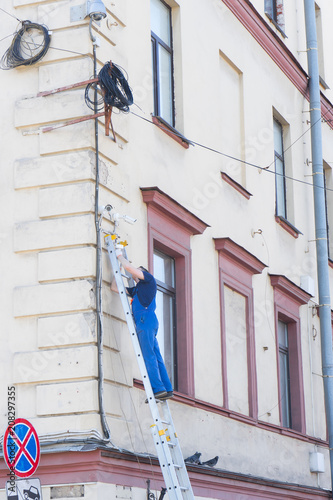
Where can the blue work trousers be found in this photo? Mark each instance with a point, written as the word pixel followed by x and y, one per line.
pixel 157 372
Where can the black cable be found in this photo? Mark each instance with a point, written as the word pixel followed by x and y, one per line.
pixel 92 101
pixel 29 45
pixel 114 88
pixel 264 169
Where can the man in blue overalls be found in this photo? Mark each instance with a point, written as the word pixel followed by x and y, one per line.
pixel 143 309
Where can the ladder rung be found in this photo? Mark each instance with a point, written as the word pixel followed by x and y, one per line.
pixel 178 466
pixel 165 422
pixel 184 488
pixel 170 443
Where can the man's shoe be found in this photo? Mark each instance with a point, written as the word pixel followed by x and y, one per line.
pixel 168 395
pixel 159 396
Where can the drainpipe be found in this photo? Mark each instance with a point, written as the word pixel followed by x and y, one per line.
pixel 104 424
pixel 320 218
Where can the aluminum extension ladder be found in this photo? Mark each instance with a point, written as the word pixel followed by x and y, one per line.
pixel 164 434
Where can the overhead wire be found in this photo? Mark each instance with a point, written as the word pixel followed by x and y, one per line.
pixel 11 15
pixel 213 150
pixel 67 50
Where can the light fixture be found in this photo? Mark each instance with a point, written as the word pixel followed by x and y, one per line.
pixel 96 10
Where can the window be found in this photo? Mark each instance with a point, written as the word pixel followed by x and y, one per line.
pixel 236 268
pixel 284 373
pixel 320 45
pixel 280 179
pixel 161 44
pixel 170 228
pixel 164 272
pixel 287 300
pixel 328 184
pixel 275 11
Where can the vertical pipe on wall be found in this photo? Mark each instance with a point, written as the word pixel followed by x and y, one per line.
pixel 320 218
pixel 104 424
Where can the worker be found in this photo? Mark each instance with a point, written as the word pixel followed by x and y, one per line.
pixel 146 322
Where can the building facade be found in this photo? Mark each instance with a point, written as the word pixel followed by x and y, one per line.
pixel 214 163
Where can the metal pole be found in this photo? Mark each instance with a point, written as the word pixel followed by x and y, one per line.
pixel 104 423
pixel 320 218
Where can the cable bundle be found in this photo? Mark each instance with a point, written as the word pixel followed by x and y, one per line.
pixel 29 45
pixel 114 88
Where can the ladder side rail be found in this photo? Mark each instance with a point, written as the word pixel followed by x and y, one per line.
pixel 167 467
pixel 176 452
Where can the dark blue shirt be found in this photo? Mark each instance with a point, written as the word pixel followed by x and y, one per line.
pixel 145 289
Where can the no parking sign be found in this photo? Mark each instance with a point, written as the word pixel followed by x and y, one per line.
pixel 21 448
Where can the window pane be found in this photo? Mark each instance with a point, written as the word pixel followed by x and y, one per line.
pixel 280 188
pixel 164 268
pixel 278 142
pixel 160 21
pixel 165 314
pixel 284 373
pixel 283 334
pixel 165 82
pixel 284 389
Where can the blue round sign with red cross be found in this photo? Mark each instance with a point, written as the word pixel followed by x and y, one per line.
pixel 21 448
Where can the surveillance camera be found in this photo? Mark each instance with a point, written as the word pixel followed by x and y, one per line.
pixel 104 208
pixel 96 9
pixel 126 218
pixel 129 219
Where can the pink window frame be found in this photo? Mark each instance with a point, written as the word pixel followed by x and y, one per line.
pixel 287 300
pixel 236 268
pixel 170 228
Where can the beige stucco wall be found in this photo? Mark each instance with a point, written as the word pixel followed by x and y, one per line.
pixel 47 234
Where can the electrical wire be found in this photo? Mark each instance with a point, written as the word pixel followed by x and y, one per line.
pixel 29 45
pixel 67 50
pixel 213 150
pixel 7 36
pixel 113 87
pixel 11 15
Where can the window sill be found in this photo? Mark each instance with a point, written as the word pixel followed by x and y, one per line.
pixel 276 25
pixel 323 83
pixel 171 132
pixel 204 405
pixel 287 226
pixel 330 263
pixel 236 185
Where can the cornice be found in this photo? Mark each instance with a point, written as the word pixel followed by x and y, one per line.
pixel 287 287
pixel 162 202
pixel 230 249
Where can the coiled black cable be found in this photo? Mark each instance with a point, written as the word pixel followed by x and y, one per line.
pixel 29 45
pixel 114 88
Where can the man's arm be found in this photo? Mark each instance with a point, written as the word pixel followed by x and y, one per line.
pixel 134 271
